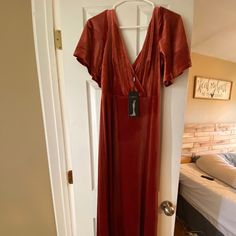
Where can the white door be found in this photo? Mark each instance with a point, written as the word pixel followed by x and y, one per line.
pixel 81 98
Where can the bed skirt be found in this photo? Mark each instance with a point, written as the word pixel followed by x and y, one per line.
pixel 194 220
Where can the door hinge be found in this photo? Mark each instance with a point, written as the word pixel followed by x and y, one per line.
pixel 58 41
pixel 70 177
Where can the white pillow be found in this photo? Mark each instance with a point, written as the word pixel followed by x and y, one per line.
pixel 216 166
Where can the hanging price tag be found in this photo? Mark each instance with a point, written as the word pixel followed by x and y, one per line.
pixel 133 104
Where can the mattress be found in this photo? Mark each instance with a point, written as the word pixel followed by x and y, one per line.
pixel 215 200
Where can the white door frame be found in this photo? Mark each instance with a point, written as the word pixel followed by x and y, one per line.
pixel 53 115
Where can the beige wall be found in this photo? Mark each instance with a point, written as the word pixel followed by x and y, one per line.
pixel 25 198
pixel 210 111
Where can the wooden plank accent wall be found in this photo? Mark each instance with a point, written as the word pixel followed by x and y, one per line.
pixel 209 138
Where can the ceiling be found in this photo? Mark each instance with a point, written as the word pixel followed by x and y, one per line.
pixel 214 28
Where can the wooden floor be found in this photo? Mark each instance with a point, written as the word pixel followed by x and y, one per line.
pixel 179 229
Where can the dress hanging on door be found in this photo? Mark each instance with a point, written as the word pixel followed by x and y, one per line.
pixel 129 145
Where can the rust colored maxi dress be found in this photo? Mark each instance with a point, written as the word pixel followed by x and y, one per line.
pixel 129 147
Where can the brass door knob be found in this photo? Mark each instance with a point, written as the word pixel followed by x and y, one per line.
pixel 168 208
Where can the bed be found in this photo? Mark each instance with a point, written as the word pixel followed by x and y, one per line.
pixel 207 206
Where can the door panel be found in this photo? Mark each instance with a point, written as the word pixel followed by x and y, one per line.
pixel 94 97
pixel 82 100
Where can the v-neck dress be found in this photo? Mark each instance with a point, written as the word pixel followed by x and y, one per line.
pixel 129 147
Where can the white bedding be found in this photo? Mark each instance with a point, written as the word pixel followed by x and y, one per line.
pixel 215 200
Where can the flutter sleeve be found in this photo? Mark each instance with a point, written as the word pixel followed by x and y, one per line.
pixel 89 50
pixel 175 55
